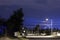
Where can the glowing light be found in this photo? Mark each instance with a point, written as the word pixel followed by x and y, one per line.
pixel 46 19
pixel 24 31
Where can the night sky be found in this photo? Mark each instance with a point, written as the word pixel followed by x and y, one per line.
pixel 34 11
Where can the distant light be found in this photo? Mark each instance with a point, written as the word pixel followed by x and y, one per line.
pixel 24 31
pixel 46 19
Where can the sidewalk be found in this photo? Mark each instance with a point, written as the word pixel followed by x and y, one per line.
pixel 51 36
pixel 32 36
pixel 36 36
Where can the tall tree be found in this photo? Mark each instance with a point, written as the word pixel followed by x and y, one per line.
pixel 2 20
pixel 2 26
pixel 15 22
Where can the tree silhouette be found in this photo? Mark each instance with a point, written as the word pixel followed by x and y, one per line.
pixel 2 21
pixel 36 29
pixel 48 31
pixel 15 22
pixel 2 26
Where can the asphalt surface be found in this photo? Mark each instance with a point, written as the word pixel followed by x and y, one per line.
pixel 44 39
pixel 57 38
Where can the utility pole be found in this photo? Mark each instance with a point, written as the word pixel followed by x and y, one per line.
pixel 51 26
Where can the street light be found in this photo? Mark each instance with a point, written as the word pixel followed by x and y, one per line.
pixel 46 19
pixel 50 24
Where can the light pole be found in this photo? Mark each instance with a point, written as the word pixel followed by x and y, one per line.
pixel 50 24
pixel 46 19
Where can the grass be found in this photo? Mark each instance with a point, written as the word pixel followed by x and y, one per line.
pixel 23 38
pixel 7 38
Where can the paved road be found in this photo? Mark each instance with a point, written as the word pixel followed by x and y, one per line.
pixel 45 39
pixel 42 38
pixel 57 38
